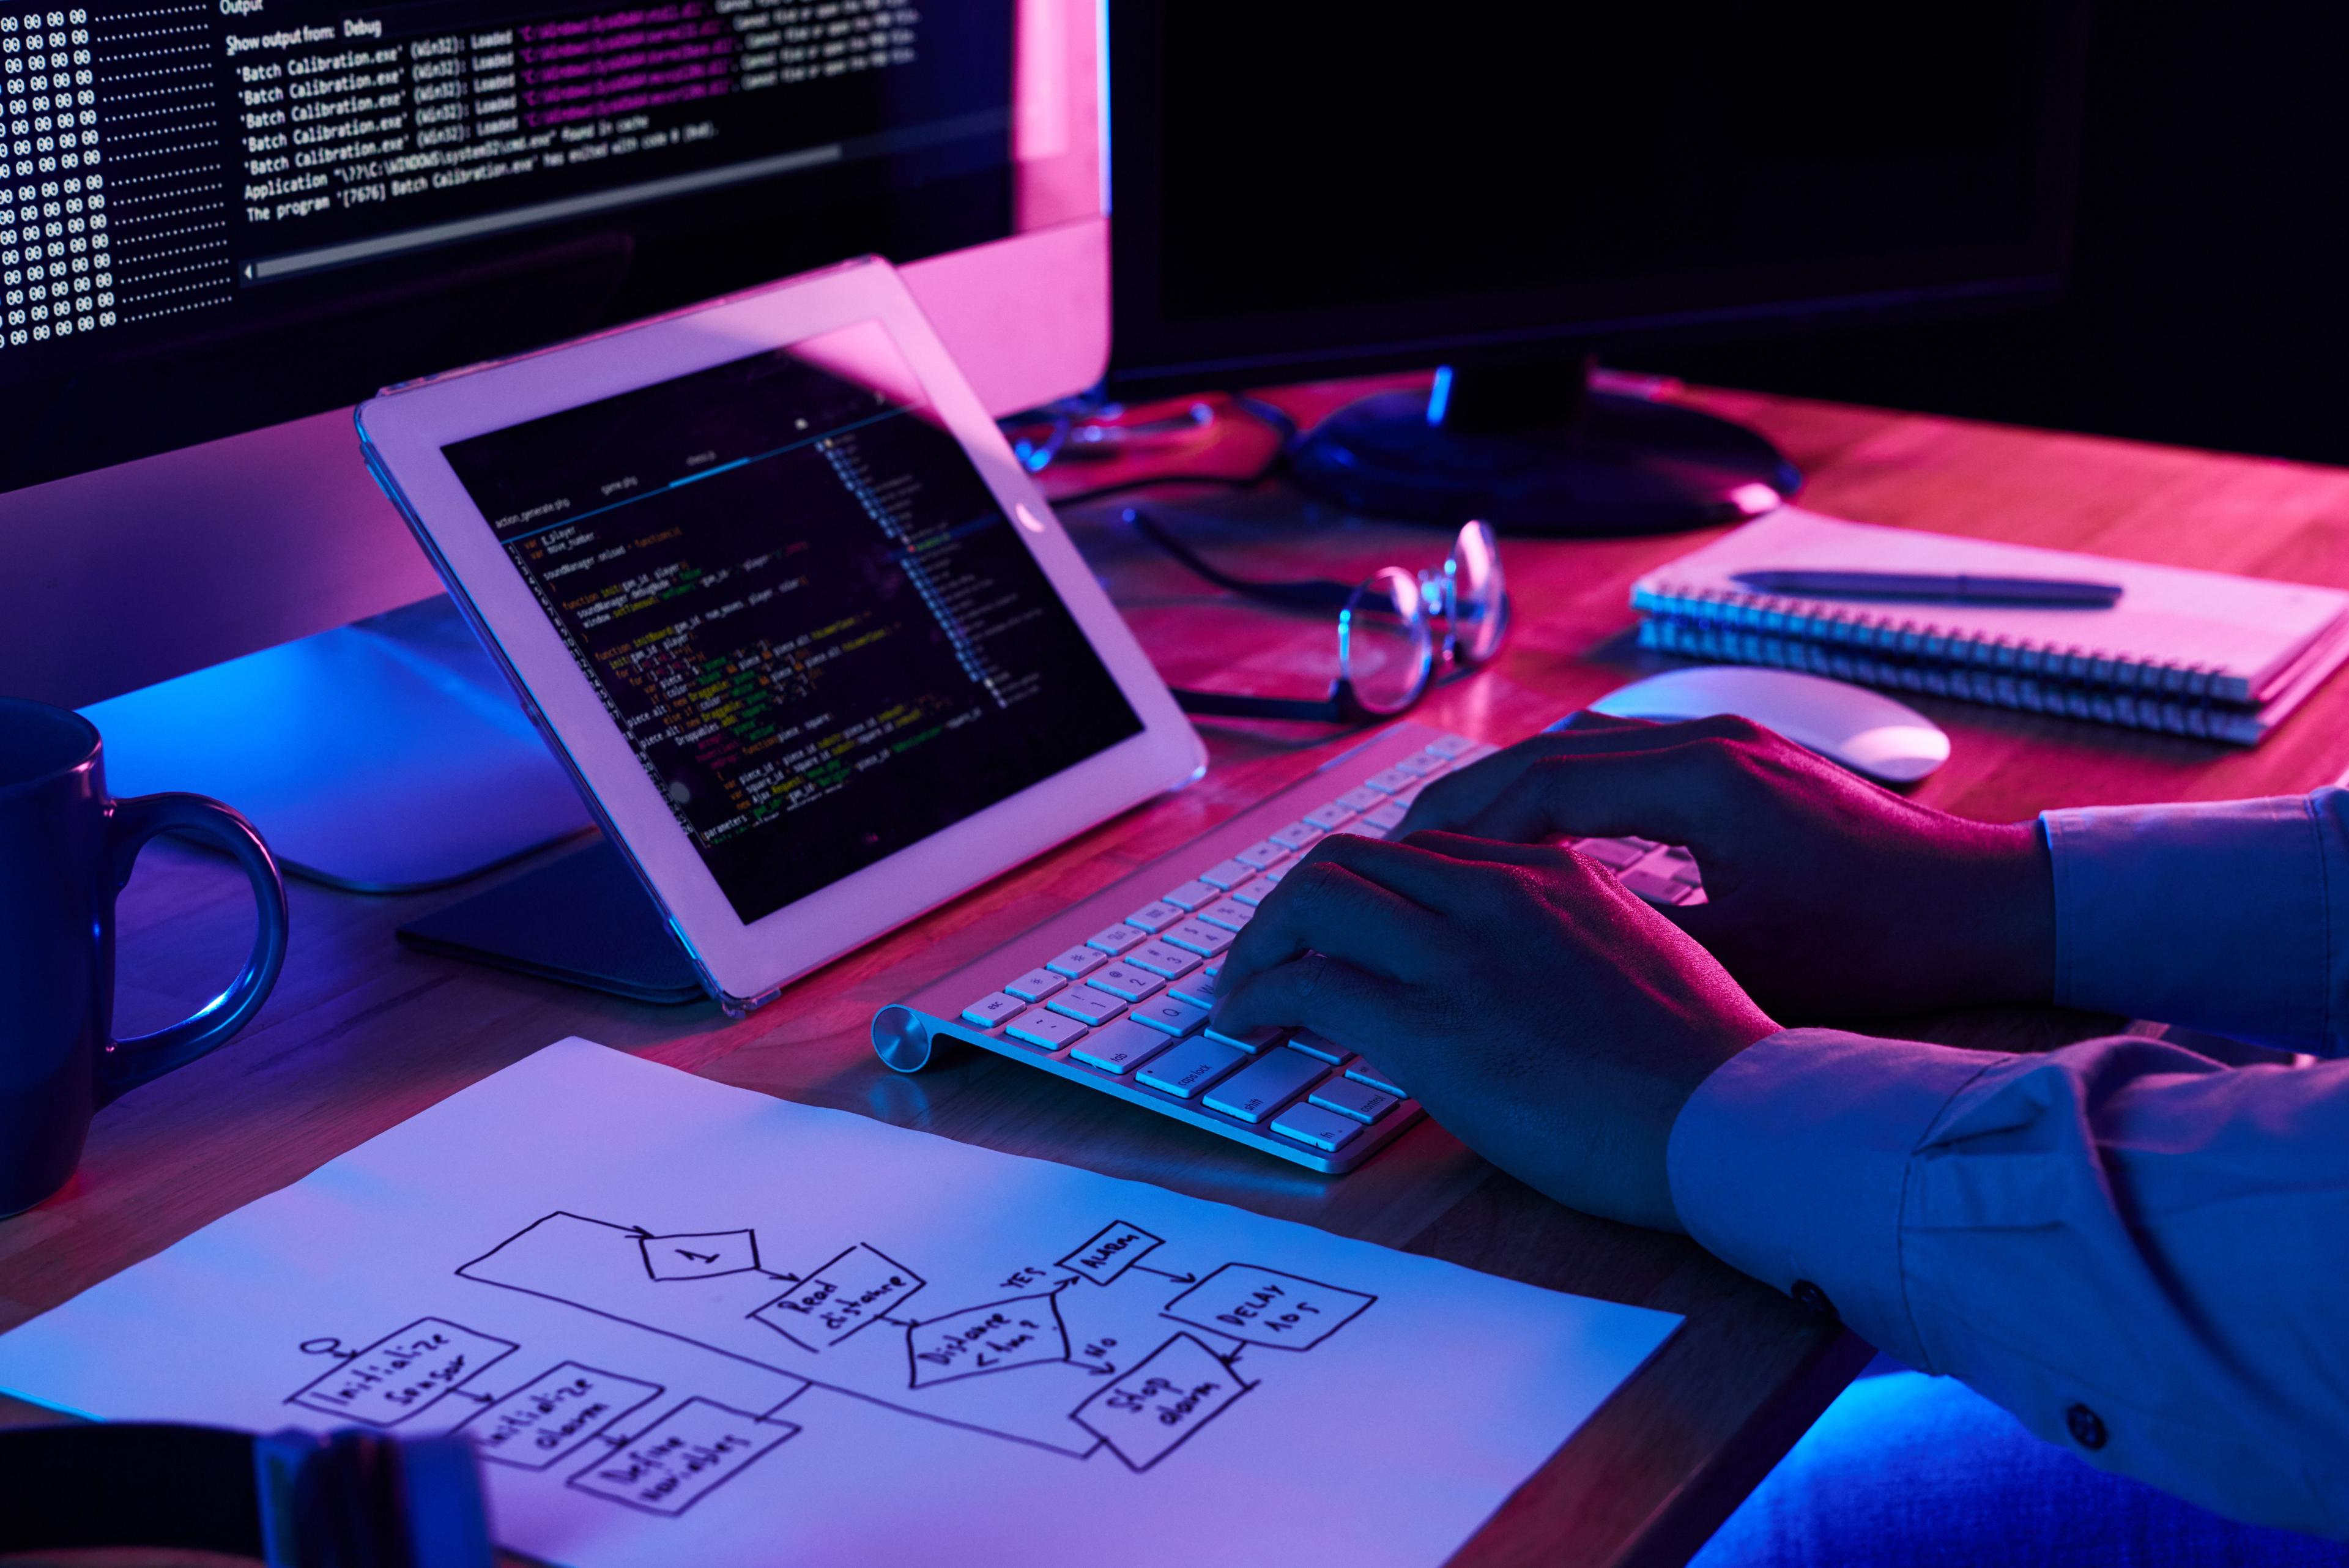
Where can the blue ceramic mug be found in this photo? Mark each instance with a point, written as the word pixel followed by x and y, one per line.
pixel 66 849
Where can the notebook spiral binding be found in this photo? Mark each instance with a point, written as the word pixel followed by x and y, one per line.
pixel 1904 636
pixel 1871 665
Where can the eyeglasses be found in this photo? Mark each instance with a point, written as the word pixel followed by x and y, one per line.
pixel 1393 628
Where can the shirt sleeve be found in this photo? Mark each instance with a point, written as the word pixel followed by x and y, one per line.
pixel 2142 1254
pixel 2230 916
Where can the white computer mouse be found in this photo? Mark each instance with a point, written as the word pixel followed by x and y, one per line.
pixel 1866 731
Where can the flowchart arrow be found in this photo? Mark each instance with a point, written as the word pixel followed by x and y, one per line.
pixel 639 1231
pixel 1183 1279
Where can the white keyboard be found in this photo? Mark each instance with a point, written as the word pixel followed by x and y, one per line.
pixel 1114 992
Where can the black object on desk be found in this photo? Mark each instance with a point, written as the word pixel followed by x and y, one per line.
pixel 582 919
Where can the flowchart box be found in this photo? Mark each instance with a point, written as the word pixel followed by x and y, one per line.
pixel 850 1292
pixel 682 1458
pixel 402 1373
pixel 1113 1249
pixel 1148 1411
pixel 1265 1306
pixel 554 1413
pixel 1021 1332
pixel 703 1255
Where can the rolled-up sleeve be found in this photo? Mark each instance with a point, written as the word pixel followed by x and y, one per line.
pixel 2230 916
pixel 2141 1253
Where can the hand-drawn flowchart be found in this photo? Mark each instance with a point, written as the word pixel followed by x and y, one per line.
pixel 1099 1349
pixel 686 1323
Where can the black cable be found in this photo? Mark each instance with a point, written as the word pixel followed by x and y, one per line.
pixel 1256 408
pixel 1313 593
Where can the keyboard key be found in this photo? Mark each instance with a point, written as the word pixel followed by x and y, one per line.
pixel 1297 836
pixel 1077 962
pixel 1610 851
pixel 1310 1124
pixel 1227 873
pixel 1408 795
pixel 1035 985
pixel 1201 938
pixel 1361 827
pixel 1273 874
pixel 1158 958
pixel 1254 1042
pixel 1450 746
pixel 1262 1088
pixel 1086 1005
pixel 1125 981
pixel 1362 797
pixel 1423 764
pixel 1167 1015
pixel 992 1008
pixel 1476 753
pixel 1229 913
pixel 1263 857
pixel 1198 989
pixel 1117 939
pixel 1319 1045
pixel 1362 1071
pixel 1389 816
pixel 1654 885
pixel 1190 895
pixel 1044 1030
pixel 1350 1098
pixel 1195 1065
pixel 1121 1046
pixel 1256 892
pixel 1326 817
pixel 1155 917
pixel 1391 781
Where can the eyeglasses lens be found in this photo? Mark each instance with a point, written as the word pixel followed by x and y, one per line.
pixel 1479 603
pixel 1386 647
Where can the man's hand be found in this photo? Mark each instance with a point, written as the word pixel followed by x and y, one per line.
pixel 1827 895
pixel 1548 1018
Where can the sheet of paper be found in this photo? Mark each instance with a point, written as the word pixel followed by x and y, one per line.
pixel 685 1322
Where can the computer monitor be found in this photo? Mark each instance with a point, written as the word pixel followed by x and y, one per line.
pixel 1504 191
pixel 223 222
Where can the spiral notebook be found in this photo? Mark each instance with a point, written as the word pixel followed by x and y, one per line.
pixel 2190 652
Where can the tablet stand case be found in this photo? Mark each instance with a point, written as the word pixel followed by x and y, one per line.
pixel 582 919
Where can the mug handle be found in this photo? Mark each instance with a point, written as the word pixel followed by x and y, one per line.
pixel 130 824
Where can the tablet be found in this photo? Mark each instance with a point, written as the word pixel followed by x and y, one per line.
pixel 766 575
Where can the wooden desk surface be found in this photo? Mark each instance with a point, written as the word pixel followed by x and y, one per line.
pixel 360 1034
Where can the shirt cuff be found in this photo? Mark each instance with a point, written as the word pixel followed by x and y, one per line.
pixel 1791 1162
pixel 2214 915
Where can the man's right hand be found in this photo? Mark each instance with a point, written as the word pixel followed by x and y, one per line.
pixel 1826 896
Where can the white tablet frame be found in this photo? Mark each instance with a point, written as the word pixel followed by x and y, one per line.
pixel 402 433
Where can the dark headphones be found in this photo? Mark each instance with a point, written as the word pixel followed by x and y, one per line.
pixel 291 1498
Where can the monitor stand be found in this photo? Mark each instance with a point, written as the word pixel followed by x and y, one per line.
pixel 1535 449
pixel 385 756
